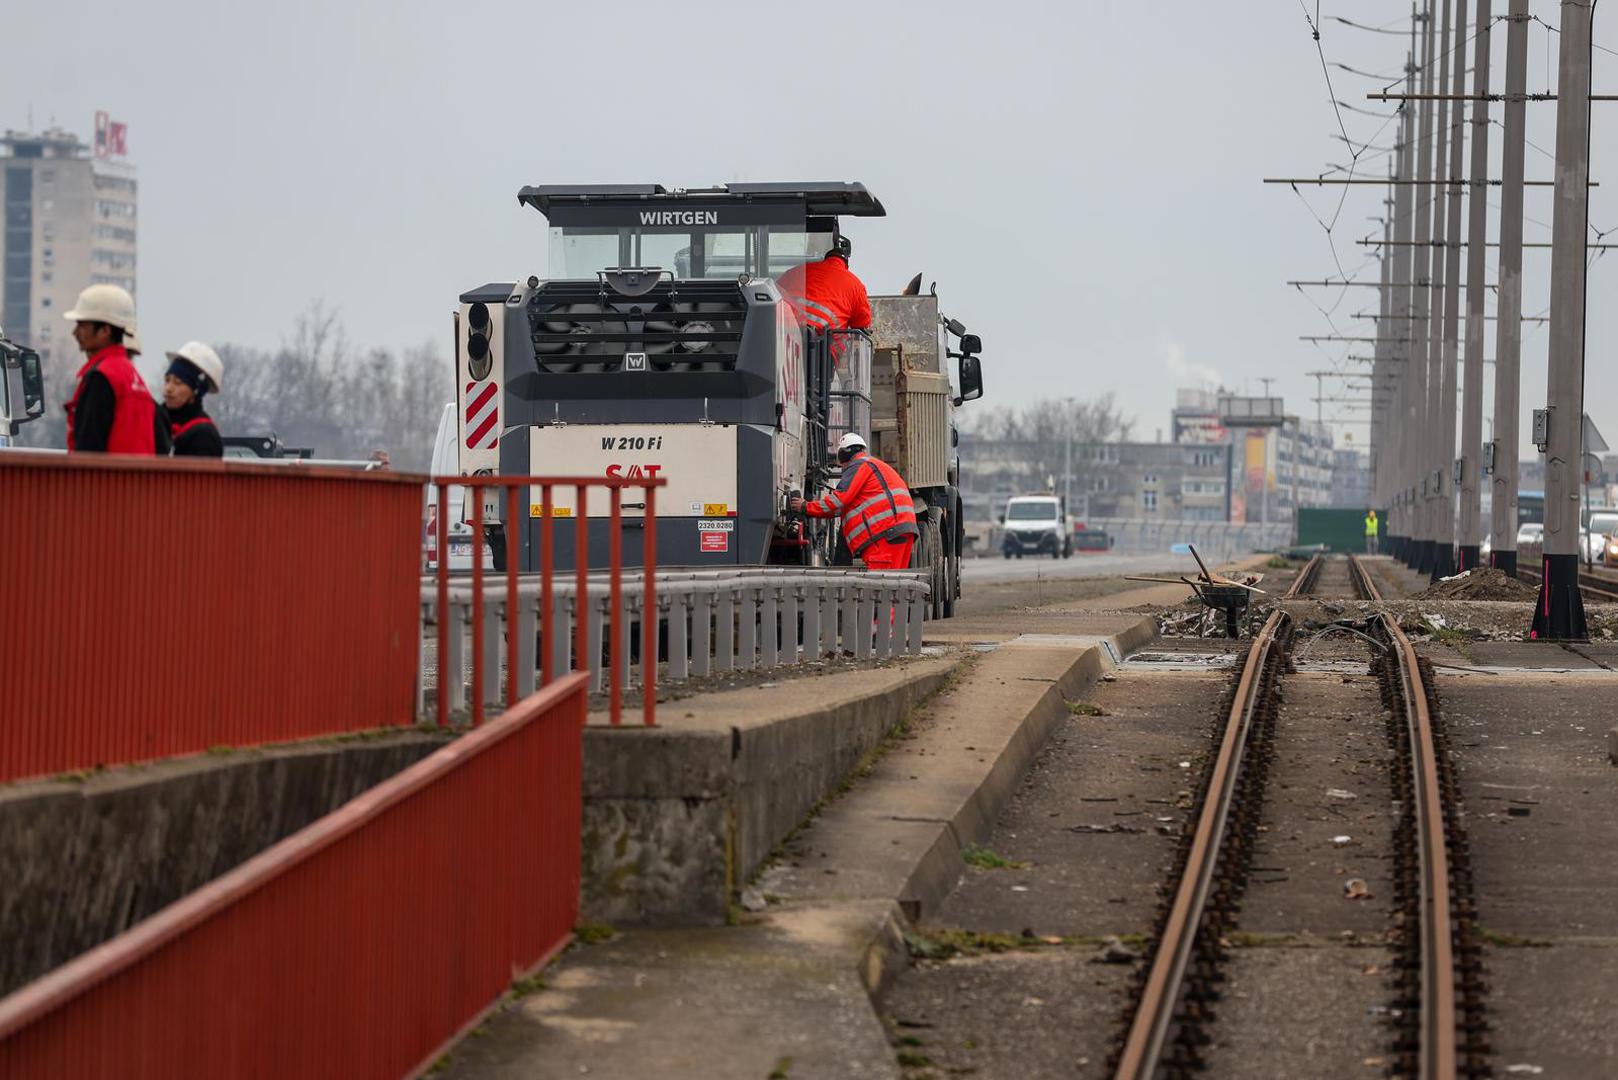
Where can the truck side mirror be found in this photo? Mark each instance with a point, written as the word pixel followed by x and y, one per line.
pixel 971 344
pixel 971 379
pixel 22 385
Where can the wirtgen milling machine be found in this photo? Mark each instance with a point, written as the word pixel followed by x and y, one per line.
pixel 660 345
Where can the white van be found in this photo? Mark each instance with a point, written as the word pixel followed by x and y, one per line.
pixel 1036 524
pixel 447 463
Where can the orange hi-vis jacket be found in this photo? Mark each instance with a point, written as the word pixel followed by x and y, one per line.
pixel 873 501
pixel 827 295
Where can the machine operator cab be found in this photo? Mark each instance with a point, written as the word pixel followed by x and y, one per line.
pixel 660 344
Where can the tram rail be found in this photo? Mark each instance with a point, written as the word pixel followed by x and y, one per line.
pixel 1438 1006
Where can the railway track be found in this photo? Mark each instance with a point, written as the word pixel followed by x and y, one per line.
pixel 1437 1006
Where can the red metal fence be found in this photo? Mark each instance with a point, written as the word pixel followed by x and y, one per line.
pixel 541 490
pixel 153 609
pixel 357 947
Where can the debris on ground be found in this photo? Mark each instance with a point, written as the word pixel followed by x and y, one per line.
pixel 753 900
pixel 1482 583
pixel 1113 951
pixel 1356 889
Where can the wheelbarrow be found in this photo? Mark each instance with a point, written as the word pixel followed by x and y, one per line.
pixel 1219 593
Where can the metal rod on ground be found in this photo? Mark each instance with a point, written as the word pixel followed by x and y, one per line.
pixel 1508 331
pixel 1449 339
pixel 1559 614
pixel 1471 528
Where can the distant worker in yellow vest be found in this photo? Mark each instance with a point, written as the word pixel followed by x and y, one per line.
pixel 1370 532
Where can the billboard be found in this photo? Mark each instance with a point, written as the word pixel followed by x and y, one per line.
pixel 112 137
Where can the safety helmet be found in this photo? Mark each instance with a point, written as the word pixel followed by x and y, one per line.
pixel 840 246
pixel 852 441
pixel 104 304
pixel 204 359
pixel 132 343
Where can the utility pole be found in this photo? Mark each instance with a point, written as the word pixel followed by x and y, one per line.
pixel 1477 235
pixel 1444 460
pixel 1415 416
pixel 1429 265
pixel 1559 614
pixel 1397 488
pixel 1508 328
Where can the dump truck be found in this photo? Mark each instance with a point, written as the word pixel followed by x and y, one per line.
pixel 660 345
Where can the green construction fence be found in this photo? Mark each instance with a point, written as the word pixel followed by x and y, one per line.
pixel 1341 530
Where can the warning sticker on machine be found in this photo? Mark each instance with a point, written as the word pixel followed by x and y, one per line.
pixel 713 541
pixel 715 508
pixel 538 510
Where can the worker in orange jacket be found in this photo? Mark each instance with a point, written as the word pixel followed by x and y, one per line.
pixel 879 520
pixel 827 294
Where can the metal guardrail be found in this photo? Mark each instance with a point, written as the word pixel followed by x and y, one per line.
pixel 708 621
pixel 358 947
pixel 1219 538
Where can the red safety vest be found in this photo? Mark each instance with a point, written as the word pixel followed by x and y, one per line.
pixel 827 295
pixel 134 411
pixel 873 501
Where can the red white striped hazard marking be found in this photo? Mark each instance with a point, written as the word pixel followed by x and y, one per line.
pixel 482 416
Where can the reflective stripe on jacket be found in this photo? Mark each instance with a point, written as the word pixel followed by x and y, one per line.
pixel 134 412
pixel 828 295
pixel 873 502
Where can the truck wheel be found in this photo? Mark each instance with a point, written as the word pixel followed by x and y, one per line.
pixel 935 567
pixel 952 584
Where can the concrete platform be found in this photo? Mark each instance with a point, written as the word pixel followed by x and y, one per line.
pixel 676 817
pixel 786 992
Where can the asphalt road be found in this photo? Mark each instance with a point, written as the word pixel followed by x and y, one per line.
pixel 1101 564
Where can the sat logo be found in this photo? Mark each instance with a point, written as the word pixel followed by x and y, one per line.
pixel 634 472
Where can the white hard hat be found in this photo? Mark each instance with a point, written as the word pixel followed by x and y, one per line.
pixel 850 441
pixel 132 343
pixel 104 304
pixel 205 360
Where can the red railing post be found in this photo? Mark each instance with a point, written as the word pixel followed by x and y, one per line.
pixel 581 577
pixel 615 566
pixel 475 712
pixel 513 603
pixel 546 567
pixel 648 647
pixel 443 604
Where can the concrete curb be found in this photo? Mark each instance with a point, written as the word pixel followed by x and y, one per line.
pixel 935 874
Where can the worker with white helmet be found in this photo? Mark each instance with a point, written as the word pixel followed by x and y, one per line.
pixel 111 411
pixel 194 371
pixel 879 520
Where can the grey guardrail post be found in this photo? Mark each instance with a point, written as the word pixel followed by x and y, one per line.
pixel 702 616
pixel 679 616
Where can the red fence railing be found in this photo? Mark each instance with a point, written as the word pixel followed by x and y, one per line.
pixel 158 608
pixel 357 947
pixel 541 491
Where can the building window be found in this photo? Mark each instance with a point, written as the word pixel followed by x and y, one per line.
pixel 1148 501
pixel 1149 479
pixel 1100 483
pixel 1204 459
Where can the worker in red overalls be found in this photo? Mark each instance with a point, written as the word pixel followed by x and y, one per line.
pixel 827 294
pixel 111 411
pixel 879 520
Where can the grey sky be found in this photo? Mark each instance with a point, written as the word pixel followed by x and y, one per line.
pixel 1082 178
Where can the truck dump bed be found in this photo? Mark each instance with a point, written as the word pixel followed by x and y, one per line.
pixel 910 389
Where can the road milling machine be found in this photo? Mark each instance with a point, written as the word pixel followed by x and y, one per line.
pixel 660 345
